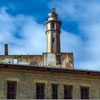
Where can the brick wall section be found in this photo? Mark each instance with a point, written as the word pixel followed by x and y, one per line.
pixel 27 79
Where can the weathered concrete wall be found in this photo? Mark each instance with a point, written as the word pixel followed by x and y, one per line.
pixel 22 59
pixel 47 59
pixel 6 59
pixel 27 79
pixel 67 60
pixel 64 60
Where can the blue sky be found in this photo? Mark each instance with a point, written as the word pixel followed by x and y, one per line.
pixel 22 27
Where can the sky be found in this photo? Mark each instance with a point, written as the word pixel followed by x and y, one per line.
pixel 22 28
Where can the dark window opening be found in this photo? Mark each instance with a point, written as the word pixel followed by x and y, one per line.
pixel 67 92
pixel 11 89
pixel 58 58
pixel 54 91
pixel 53 40
pixel 40 91
pixel 52 25
pixel 84 92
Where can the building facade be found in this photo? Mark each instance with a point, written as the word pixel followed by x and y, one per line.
pixel 68 83
pixel 47 76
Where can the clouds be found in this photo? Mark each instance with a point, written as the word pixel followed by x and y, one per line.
pixel 85 44
pixel 22 33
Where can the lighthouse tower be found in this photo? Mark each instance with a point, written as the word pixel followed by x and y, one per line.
pixel 53 55
pixel 53 32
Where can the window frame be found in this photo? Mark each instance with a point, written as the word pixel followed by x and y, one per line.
pixel 54 91
pixel 67 89
pixel 41 93
pixel 85 93
pixel 11 89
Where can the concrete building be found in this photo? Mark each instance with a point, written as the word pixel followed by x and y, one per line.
pixel 53 57
pixel 47 76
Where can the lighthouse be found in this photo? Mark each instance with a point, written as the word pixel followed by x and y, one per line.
pixel 53 32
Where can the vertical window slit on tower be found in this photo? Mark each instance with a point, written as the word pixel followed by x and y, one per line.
pixel 53 40
pixel 52 25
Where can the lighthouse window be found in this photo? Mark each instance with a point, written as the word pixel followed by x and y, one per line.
pixel 53 39
pixel 52 25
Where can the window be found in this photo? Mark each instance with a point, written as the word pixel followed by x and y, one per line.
pixel 84 92
pixel 53 39
pixel 40 91
pixel 52 25
pixel 15 61
pixel 11 89
pixel 54 91
pixel 67 92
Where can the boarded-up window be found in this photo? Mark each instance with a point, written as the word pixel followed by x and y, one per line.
pixel 67 92
pixel 54 91
pixel 11 89
pixel 40 91
pixel 84 92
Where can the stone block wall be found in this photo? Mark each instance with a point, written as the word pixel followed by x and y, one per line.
pixel 27 79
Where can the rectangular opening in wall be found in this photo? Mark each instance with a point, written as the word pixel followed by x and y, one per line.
pixel 54 91
pixel 84 92
pixel 68 92
pixel 15 61
pixel 11 89
pixel 52 25
pixel 40 91
pixel 53 40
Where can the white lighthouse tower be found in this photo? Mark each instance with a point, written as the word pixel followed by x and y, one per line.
pixel 53 56
pixel 53 32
